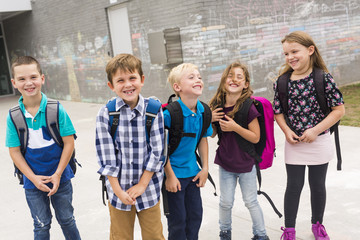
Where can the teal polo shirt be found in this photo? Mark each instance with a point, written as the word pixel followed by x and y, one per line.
pixel 183 160
pixel 42 154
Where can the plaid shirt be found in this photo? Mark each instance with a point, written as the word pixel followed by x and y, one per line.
pixel 131 155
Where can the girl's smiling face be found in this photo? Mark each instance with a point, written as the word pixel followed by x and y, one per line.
pixel 297 56
pixel 236 81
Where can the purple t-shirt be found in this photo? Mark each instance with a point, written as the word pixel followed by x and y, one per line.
pixel 229 155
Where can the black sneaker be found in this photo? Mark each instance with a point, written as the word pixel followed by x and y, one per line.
pixel 225 235
pixel 256 237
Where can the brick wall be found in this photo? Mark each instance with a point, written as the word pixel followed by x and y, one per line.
pixel 72 41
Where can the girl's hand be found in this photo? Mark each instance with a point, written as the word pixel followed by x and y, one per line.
pixel 291 137
pixel 202 176
pixel 228 125
pixel 217 114
pixel 308 136
pixel 172 184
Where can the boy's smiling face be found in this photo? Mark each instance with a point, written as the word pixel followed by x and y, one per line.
pixel 190 84
pixel 127 86
pixel 28 80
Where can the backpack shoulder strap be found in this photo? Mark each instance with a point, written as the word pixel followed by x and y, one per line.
pixel 113 123
pixel 319 83
pixel 207 115
pixel 241 118
pixel 52 120
pixel 152 110
pixel 113 117
pixel 19 122
pixel 282 87
pixel 206 119
pixel 177 124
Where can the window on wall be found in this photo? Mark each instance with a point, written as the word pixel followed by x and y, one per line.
pixel 119 29
pixel 5 82
pixel 165 47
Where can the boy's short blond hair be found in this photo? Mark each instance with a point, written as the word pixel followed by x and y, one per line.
pixel 124 62
pixel 24 60
pixel 177 72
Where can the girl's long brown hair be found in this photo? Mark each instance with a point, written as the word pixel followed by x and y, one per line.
pixel 219 98
pixel 304 39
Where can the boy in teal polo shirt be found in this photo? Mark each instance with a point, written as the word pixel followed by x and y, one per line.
pixel 183 175
pixel 45 164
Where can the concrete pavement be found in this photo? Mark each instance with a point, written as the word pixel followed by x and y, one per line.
pixel 342 215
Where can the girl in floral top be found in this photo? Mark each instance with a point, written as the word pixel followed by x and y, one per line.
pixel 306 129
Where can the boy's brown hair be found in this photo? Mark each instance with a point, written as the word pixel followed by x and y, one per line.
pixel 24 60
pixel 124 62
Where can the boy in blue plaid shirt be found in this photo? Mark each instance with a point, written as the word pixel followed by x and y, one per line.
pixel 133 167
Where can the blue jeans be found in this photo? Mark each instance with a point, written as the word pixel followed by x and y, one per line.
pixel 248 186
pixel 186 211
pixel 39 204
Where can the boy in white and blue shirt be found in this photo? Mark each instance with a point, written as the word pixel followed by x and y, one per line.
pixel 44 165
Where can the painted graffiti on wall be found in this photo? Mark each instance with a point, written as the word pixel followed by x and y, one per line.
pixel 213 34
pixel 73 66
pixel 84 61
pixel 252 33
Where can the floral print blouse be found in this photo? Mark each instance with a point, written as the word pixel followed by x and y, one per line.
pixel 304 110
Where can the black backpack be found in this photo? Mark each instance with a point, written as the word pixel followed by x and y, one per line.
pixel 52 124
pixel 319 83
pixel 176 133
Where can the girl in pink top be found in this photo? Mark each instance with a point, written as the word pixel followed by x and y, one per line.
pixel 306 129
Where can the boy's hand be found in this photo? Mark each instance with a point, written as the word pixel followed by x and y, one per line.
pixel 125 198
pixel 55 180
pixel 172 184
pixel 202 176
pixel 41 181
pixel 217 114
pixel 136 191
pixel 228 125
